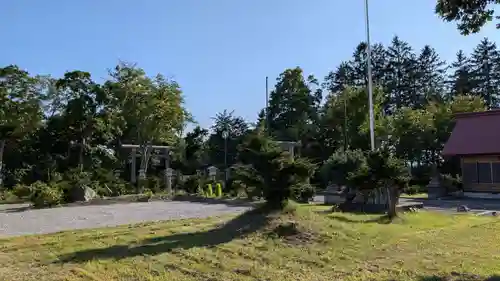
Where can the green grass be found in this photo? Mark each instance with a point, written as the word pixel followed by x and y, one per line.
pixel 416 195
pixel 308 244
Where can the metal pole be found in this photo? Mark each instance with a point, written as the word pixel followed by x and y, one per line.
pixel 225 152
pixel 369 74
pixel 345 122
pixel 267 104
pixel 225 157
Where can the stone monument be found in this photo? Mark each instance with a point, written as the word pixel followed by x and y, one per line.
pixel 434 188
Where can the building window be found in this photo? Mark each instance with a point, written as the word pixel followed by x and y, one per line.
pixel 495 167
pixel 469 172
pixel 484 173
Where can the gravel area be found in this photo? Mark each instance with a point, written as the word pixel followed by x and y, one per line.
pixel 15 220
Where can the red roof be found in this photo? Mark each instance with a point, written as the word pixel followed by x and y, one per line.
pixel 475 133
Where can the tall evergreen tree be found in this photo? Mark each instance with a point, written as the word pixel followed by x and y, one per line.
pixel 400 72
pixel 430 76
pixel 486 73
pixel 460 81
pixel 293 105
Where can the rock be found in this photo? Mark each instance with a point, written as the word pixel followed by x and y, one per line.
pixel 83 193
pixel 462 209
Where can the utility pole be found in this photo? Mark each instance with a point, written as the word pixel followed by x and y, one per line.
pixel 369 74
pixel 345 122
pixel 267 105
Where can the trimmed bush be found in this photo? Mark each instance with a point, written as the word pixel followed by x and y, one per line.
pixel 22 191
pixel 303 192
pixel 45 196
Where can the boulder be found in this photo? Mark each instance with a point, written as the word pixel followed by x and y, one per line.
pixel 83 193
pixel 462 209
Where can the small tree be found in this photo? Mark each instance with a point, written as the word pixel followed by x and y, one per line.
pixel 271 171
pixel 382 170
pixel 337 168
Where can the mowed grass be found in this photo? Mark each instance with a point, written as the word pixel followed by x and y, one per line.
pixel 307 244
pixel 416 196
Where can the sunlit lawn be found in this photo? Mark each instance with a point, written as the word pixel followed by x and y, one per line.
pixel 416 196
pixel 325 246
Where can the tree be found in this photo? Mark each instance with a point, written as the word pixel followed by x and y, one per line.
pixel 345 119
pixel 236 128
pixel 471 15
pixel 84 121
pixel 293 106
pixel 149 110
pixel 20 110
pixel 430 75
pixel 401 74
pixel 382 171
pixel 486 72
pixel 275 176
pixel 461 81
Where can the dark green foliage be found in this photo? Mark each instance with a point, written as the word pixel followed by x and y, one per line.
pixel 303 192
pixel 273 174
pixel 22 191
pixel 381 169
pixel 67 132
pixel 471 15
pixel 191 184
pixel 414 189
pixel 44 195
pixel 341 164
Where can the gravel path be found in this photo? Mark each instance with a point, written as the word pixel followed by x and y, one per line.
pixel 14 222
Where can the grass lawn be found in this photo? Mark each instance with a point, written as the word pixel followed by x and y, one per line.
pixel 308 244
pixel 417 195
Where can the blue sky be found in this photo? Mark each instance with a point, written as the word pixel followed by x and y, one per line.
pixel 220 51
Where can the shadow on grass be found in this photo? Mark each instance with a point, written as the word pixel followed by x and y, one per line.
pixel 16 209
pixel 381 220
pixel 238 202
pixel 455 276
pixel 239 227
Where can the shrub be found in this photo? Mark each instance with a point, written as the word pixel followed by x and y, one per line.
pixel 381 170
pixel 191 184
pixel 413 189
pixel 271 172
pixel 8 196
pixel 303 192
pixel 337 168
pixel 22 191
pixel 45 195
pixel 155 184
pixel 451 183
pixel 146 195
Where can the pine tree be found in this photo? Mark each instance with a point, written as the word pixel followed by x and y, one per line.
pixel 336 81
pixel 400 71
pixel 460 81
pixel 430 76
pixel 486 74
pixel 293 106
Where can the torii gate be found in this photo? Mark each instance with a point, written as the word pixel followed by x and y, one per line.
pixel 168 171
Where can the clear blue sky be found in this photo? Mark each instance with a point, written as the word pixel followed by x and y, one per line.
pixel 220 51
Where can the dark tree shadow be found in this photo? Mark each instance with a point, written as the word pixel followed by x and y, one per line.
pixel 16 209
pixel 210 201
pixel 455 276
pixel 384 219
pixel 239 227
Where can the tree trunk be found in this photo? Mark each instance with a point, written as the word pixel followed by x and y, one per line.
pixel 2 148
pixel 80 156
pixel 392 201
pixel 145 155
